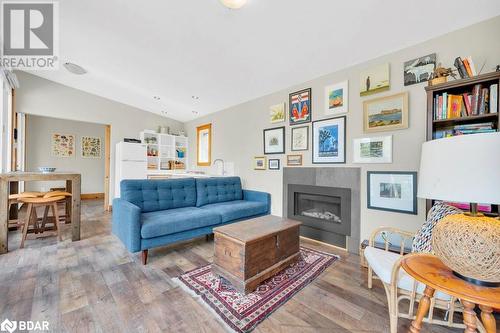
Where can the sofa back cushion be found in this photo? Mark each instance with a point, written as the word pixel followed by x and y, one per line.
pixel 218 189
pixel 152 195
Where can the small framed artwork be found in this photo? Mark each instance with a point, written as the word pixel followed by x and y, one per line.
pixel 300 138
pixel 274 164
pixel 91 147
pixel 300 107
pixel 259 162
pixel 329 140
pixel 337 98
pixel 274 140
pixel 62 145
pixel 394 191
pixel 373 150
pixel 374 80
pixel 277 113
pixel 419 69
pixel 294 160
pixel 386 113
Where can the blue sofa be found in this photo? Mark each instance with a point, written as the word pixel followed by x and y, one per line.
pixel 152 213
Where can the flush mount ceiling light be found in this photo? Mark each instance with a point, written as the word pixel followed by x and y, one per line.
pixel 74 68
pixel 156 98
pixel 195 97
pixel 233 4
pixel 195 112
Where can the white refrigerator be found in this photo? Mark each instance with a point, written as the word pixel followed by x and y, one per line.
pixel 130 163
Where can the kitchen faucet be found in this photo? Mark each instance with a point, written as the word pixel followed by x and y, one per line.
pixel 222 161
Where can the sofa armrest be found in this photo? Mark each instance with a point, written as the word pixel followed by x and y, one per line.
pixel 265 197
pixel 127 224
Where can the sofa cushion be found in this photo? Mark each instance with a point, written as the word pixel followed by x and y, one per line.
pixel 217 189
pixel 166 222
pixel 237 209
pixel 154 195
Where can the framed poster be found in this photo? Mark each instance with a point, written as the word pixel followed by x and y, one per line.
pixel 91 147
pixel 386 113
pixel 294 160
pixel 328 143
pixel 374 80
pixel 373 150
pixel 337 98
pixel 62 145
pixel 300 107
pixel 277 113
pixel 300 138
pixel 394 191
pixel 274 164
pixel 274 140
pixel 259 162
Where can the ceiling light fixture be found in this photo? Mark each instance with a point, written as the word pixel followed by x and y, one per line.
pixel 233 4
pixel 156 98
pixel 195 112
pixel 74 68
pixel 195 97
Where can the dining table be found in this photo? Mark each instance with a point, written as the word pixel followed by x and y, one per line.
pixel 9 184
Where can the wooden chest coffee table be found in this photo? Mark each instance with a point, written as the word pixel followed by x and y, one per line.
pixel 249 252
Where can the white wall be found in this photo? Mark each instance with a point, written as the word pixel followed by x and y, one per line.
pixel 38 96
pixel 237 131
pixel 38 152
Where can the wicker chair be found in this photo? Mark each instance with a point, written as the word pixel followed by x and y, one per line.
pixel 399 286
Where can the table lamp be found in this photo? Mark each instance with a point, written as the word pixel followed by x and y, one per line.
pixel 465 168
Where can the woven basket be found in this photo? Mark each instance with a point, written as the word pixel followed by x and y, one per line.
pixel 469 246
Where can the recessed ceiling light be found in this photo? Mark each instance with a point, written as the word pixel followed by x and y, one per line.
pixel 156 98
pixel 74 68
pixel 233 4
pixel 195 97
pixel 195 112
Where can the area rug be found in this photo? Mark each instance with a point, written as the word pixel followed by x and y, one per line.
pixel 243 313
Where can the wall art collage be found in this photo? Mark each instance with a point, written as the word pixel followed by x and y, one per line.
pixel 63 145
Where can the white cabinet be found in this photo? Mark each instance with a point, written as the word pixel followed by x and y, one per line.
pixel 130 163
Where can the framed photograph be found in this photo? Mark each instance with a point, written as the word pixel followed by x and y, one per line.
pixel 294 160
pixel 277 113
pixel 328 143
pixel 62 145
pixel 259 162
pixel 274 140
pixel 373 150
pixel 274 164
pixel 91 147
pixel 300 107
pixel 300 138
pixel 374 80
pixel 394 191
pixel 419 69
pixel 386 113
pixel 337 98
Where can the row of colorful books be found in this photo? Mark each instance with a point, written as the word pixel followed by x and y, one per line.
pixel 464 130
pixel 465 67
pixel 480 100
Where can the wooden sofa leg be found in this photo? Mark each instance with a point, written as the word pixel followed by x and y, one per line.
pixel 144 256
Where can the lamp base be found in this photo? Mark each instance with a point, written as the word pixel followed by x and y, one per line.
pixel 477 282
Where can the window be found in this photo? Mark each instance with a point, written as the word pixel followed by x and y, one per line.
pixel 204 145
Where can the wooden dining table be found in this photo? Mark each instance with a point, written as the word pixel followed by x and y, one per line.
pixel 73 185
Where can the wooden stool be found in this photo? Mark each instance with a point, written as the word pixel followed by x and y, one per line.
pixel 31 218
pixel 58 193
pixel 14 200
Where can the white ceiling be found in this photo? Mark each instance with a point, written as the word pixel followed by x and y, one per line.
pixel 134 50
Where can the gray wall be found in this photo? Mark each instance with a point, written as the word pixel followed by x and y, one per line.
pixel 237 131
pixel 38 152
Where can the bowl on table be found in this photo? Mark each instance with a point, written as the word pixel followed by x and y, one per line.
pixel 46 169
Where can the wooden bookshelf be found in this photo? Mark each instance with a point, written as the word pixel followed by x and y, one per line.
pixel 458 87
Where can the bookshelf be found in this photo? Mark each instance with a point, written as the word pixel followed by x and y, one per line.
pixel 449 125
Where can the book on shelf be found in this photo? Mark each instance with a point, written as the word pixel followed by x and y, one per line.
pixel 494 98
pixel 465 67
pixel 464 129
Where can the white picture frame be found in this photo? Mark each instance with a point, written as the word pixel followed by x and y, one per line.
pixel 376 149
pixel 393 191
pixel 337 98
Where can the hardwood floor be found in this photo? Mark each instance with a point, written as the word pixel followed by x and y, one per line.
pixel 95 285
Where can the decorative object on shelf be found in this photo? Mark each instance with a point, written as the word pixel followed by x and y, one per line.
pixel 386 113
pixel 394 191
pixel 373 150
pixel 204 145
pixel 374 80
pixel 91 147
pixel 328 142
pixel 46 169
pixel 274 140
pixel 337 98
pixel 440 75
pixel 419 70
pixel 300 105
pixel 300 138
pixel 274 164
pixel 259 162
pixel 465 169
pixel 63 145
pixel 277 113
pixel 294 160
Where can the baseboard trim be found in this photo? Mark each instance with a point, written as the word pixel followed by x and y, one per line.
pixel 91 196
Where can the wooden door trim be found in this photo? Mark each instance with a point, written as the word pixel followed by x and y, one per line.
pixel 107 165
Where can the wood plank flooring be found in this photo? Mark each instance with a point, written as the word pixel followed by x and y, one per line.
pixel 95 285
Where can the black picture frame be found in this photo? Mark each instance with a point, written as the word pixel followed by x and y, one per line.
pixel 413 174
pixel 290 107
pixel 269 163
pixel 282 128
pixel 345 138
pixel 291 137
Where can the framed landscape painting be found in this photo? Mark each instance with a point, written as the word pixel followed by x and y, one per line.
pixel 394 191
pixel 294 160
pixel 374 80
pixel 373 150
pixel 329 140
pixel 300 107
pixel 419 69
pixel 259 163
pixel 277 113
pixel 300 138
pixel 337 98
pixel 274 140
pixel 386 113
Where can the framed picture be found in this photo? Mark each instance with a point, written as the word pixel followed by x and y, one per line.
pixel 300 107
pixel 374 80
pixel 62 145
pixel 274 164
pixel 277 113
pixel 300 138
pixel 274 140
pixel 394 191
pixel 329 140
pixel 91 147
pixel 419 69
pixel 259 162
pixel 337 98
pixel 294 160
pixel 373 150
pixel 386 113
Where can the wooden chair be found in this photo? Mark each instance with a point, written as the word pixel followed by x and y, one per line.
pixel 14 200
pixel 32 218
pixel 62 202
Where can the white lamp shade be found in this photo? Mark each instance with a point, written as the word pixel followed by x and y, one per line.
pixel 463 168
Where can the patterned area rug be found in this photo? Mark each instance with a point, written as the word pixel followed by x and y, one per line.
pixel 243 313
